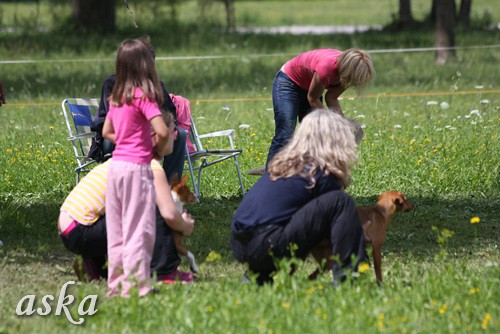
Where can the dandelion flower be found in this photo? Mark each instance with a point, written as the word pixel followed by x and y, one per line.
pixel 444 105
pixel 475 220
pixel 473 291
pixel 442 309
pixel 363 267
pixel 486 321
pixel 213 256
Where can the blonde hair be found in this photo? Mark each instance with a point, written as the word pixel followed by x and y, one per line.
pixel 324 142
pixel 355 69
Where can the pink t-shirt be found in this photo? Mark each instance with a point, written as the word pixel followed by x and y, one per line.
pixel 133 129
pixel 322 61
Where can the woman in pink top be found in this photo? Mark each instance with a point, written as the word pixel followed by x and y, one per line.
pixel 299 85
pixel 130 196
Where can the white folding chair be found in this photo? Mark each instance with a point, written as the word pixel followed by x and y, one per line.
pixel 202 157
pixel 78 114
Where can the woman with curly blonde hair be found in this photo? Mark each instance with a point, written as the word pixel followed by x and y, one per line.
pixel 301 201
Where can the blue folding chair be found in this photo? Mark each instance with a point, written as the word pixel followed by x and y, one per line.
pixel 78 114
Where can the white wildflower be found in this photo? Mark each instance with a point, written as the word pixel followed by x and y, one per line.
pixel 444 105
pixel 432 103
pixel 359 116
pixel 485 101
pixel 397 126
pixel 416 127
pixel 244 126
pixel 476 112
pixel 227 108
pixel 479 86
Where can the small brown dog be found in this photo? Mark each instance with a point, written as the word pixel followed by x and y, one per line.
pixel 182 195
pixel 375 220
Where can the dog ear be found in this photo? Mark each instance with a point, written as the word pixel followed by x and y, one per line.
pixel 174 179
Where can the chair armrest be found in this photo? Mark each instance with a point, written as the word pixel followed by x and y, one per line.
pixel 222 133
pixel 82 136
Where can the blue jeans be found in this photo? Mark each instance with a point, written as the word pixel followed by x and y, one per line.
pixel 290 103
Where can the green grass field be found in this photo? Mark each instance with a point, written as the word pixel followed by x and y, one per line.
pixel 431 132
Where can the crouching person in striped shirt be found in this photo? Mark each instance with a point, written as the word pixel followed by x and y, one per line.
pixel 82 221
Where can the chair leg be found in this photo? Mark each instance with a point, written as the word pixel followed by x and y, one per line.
pixel 199 182
pixel 191 174
pixel 239 175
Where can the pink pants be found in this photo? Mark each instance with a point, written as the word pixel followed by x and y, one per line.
pixel 130 226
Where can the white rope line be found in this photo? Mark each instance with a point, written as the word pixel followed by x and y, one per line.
pixel 244 56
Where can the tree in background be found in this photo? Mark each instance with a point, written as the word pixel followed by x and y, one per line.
pixel 464 12
pixel 405 13
pixel 94 14
pixel 445 30
pixel 228 6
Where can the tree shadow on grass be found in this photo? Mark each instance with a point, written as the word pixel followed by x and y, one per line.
pixel 29 232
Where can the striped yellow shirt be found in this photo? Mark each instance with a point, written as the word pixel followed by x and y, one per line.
pixel 85 203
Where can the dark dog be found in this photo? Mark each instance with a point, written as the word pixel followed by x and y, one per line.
pixel 375 220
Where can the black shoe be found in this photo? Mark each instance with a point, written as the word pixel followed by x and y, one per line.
pixel 258 171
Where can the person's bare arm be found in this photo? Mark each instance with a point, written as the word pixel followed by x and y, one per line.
pixel 315 91
pixel 332 99
pixel 108 131
pixel 183 223
pixel 161 133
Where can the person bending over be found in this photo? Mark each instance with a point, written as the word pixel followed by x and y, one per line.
pixel 300 83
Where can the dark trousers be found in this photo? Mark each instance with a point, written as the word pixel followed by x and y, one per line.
pixel 332 215
pixel 90 242
pixel 174 162
pixel 165 257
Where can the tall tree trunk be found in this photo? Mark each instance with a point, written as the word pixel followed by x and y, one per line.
pixel 445 30
pixel 405 16
pixel 94 14
pixel 230 14
pixel 464 12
